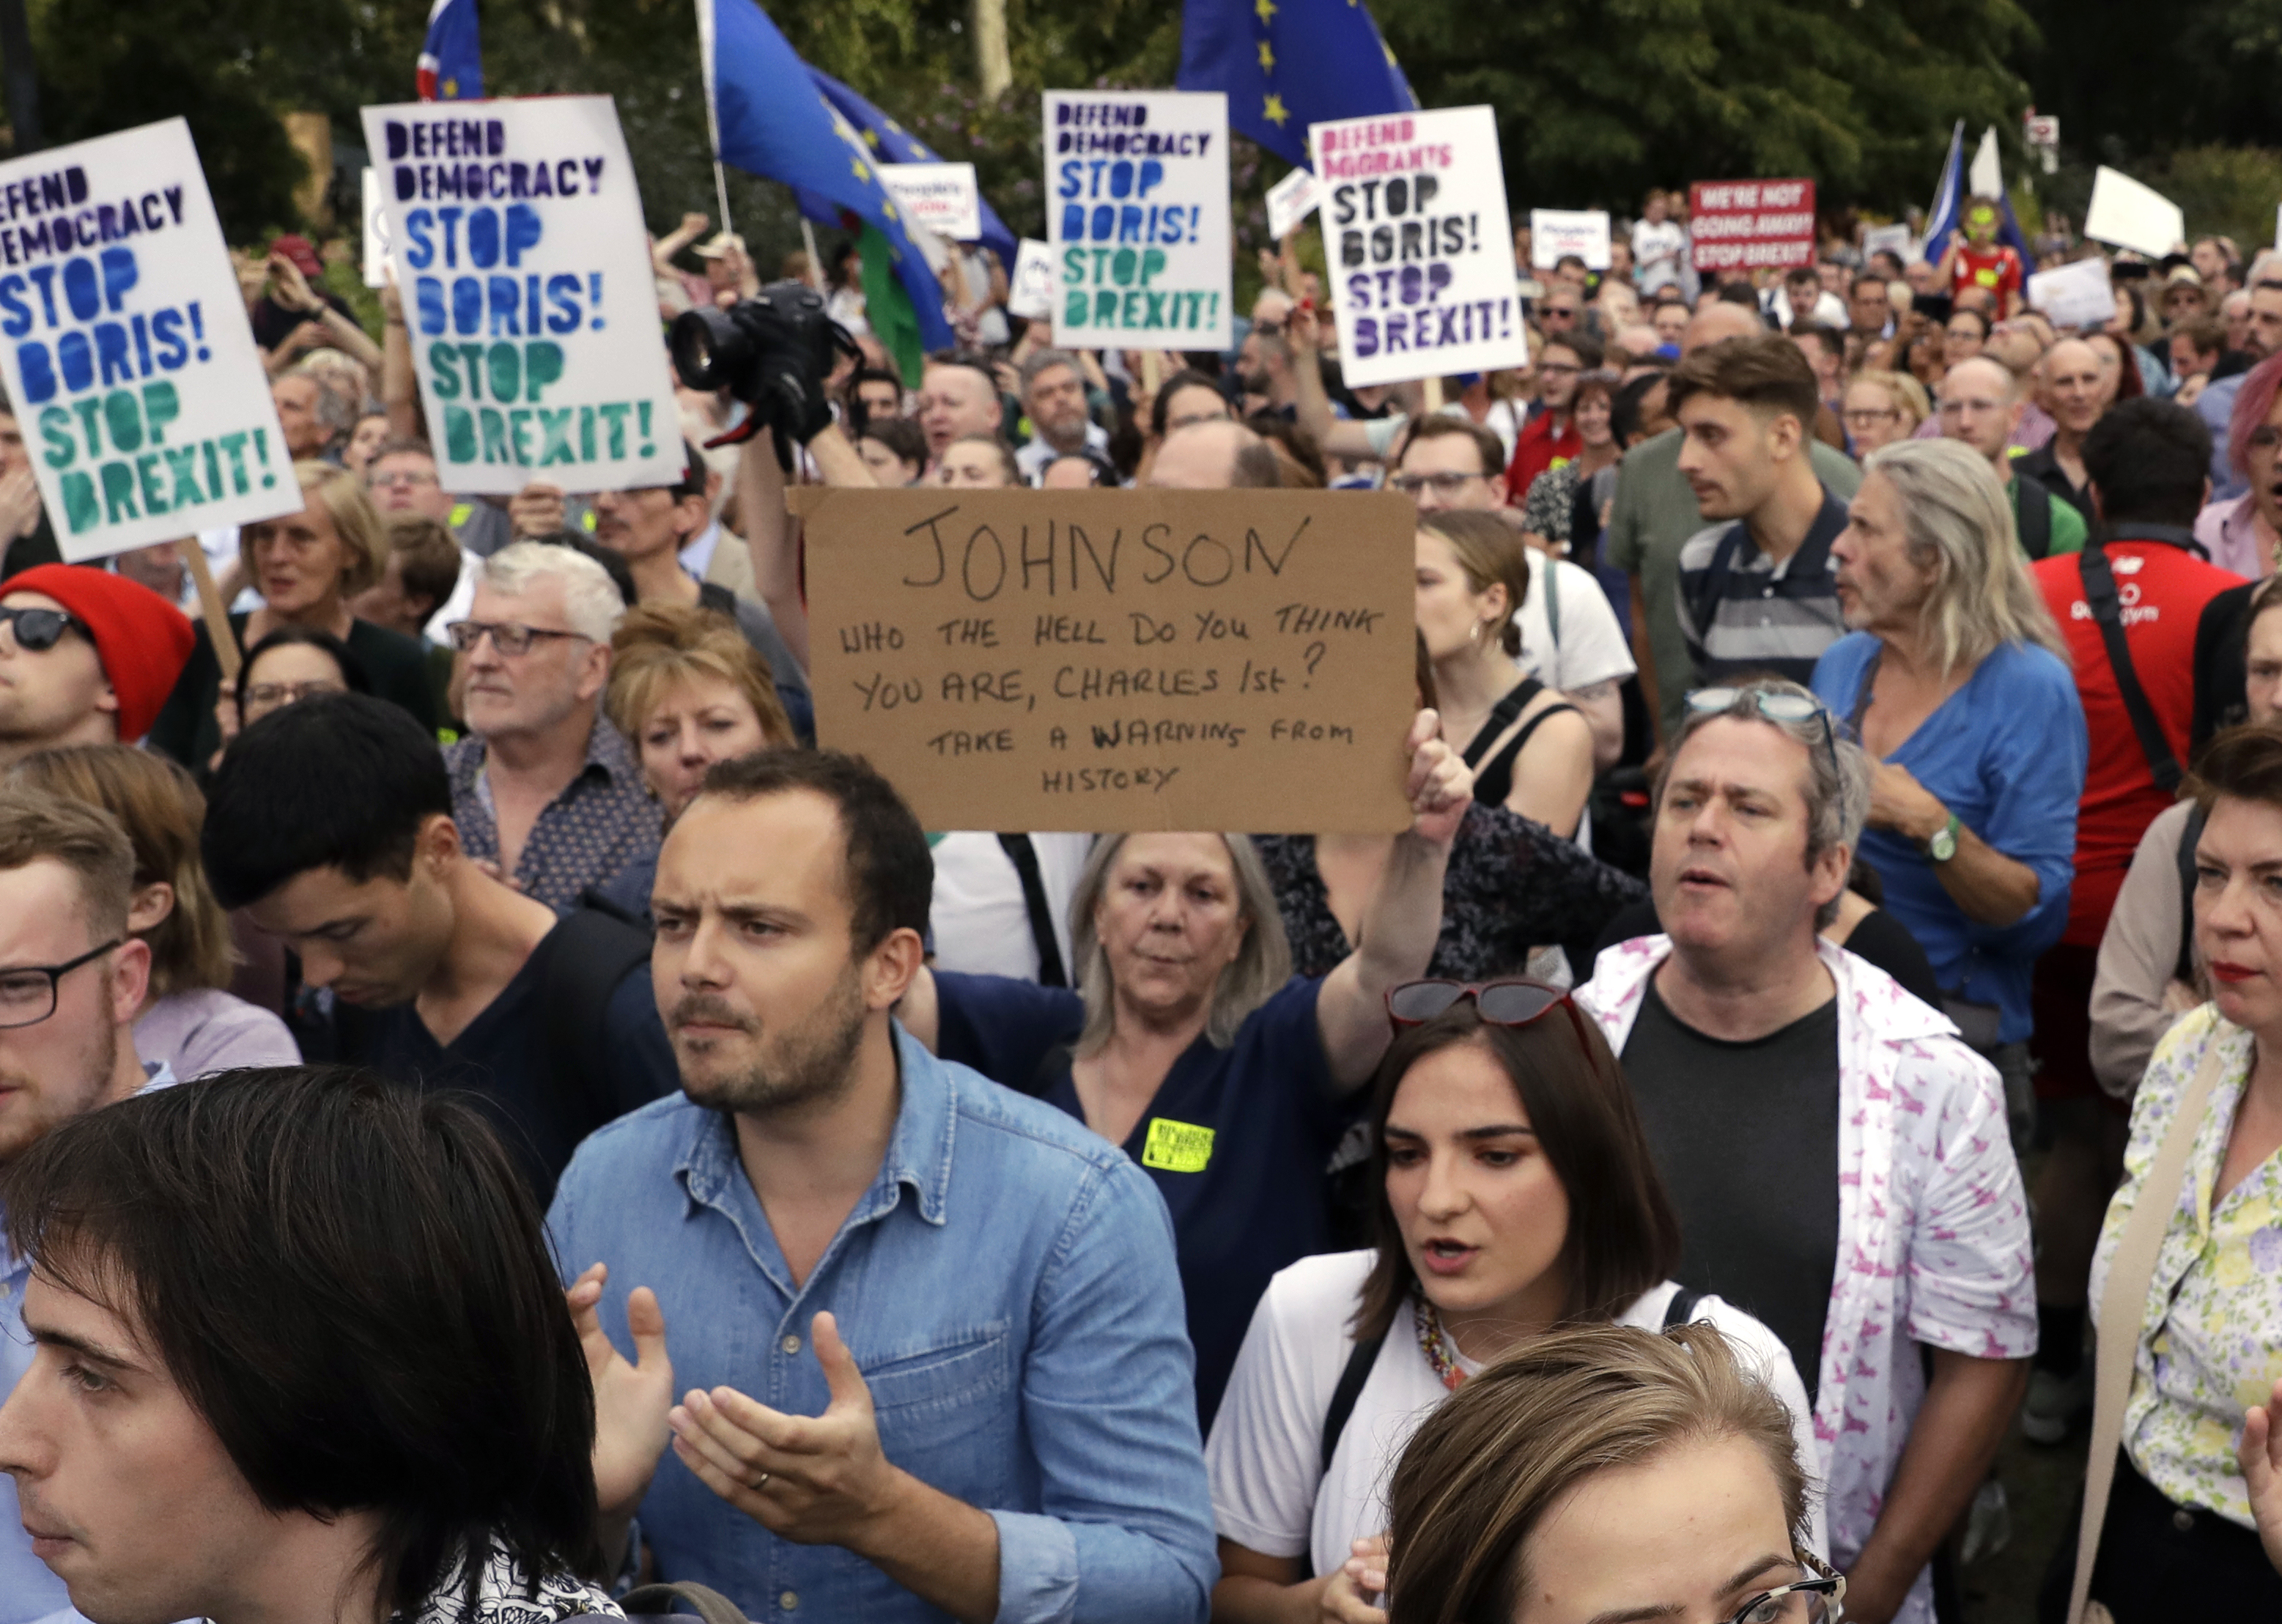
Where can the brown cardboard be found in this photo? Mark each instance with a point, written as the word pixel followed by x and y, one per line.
pixel 1118 660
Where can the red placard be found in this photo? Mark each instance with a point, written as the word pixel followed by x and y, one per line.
pixel 1745 224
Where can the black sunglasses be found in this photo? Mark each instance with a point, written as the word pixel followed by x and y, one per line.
pixel 1513 1001
pixel 39 630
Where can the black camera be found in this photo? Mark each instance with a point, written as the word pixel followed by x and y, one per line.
pixel 774 352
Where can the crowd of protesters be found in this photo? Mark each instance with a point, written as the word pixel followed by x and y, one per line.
pixel 491 1114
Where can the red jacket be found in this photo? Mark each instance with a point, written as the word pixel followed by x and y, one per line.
pixel 1538 447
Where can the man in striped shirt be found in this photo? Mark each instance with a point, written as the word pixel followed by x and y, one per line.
pixel 1757 585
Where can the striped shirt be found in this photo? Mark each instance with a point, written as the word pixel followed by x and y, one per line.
pixel 1743 613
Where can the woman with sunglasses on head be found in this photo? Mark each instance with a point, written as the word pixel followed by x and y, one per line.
pixel 1608 1473
pixel 1514 1195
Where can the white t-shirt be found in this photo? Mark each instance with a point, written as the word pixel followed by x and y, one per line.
pixel 1656 247
pixel 982 924
pixel 1591 646
pixel 1265 1456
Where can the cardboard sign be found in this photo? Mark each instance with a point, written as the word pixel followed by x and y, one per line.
pixel 1556 233
pixel 1136 204
pixel 527 284
pixel 127 354
pixel 1746 225
pixel 2131 215
pixel 943 197
pixel 1290 200
pixel 2077 295
pixel 1030 294
pixel 1119 659
pixel 1421 250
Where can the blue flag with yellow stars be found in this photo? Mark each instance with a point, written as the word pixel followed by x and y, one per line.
pixel 892 144
pixel 1286 63
pixel 769 120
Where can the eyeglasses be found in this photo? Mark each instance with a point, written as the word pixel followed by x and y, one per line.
pixel 39 630
pixel 1567 313
pixel 2265 436
pixel 1189 419
pixel 1268 328
pixel 1869 417
pixel 27 993
pixel 1443 484
pixel 1774 707
pixel 1551 369
pixel 507 636
pixel 1814 1600
pixel 408 481
pixel 267 695
pixel 1516 1002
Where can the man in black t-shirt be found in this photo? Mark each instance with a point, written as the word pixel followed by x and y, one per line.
pixel 331 823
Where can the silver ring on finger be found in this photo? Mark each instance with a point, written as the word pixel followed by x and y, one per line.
pixel 761 1483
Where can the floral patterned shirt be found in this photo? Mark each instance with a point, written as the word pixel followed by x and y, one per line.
pixel 603 823
pixel 2210 1335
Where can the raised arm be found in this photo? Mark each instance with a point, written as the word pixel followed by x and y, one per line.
pixel 1403 918
pixel 662 249
pixel 770 535
pixel 1337 437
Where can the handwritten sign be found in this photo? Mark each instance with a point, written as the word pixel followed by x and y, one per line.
pixel 518 233
pixel 1137 206
pixel 1415 231
pixel 943 197
pixel 1119 659
pixel 1556 233
pixel 1031 294
pixel 127 349
pixel 1747 224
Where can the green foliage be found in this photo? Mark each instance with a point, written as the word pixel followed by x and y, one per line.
pixel 2231 192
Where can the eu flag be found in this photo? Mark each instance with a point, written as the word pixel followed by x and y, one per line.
pixel 1286 63
pixel 895 144
pixel 451 67
pixel 769 120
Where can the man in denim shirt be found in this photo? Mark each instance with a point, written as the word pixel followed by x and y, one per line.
pixel 930 1331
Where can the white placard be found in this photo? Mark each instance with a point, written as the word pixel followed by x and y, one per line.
pixel 1031 294
pixel 1136 209
pixel 1290 200
pixel 943 197
pixel 525 275
pixel 376 233
pixel 1893 239
pixel 1556 233
pixel 128 349
pixel 2131 215
pixel 1419 243
pixel 2077 295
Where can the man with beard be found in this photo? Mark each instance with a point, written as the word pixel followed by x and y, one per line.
pixel 1054 402
pixel 331 823
pixel 922 1321
pixel 71 980
pixel 2260 336
pixel 1264 364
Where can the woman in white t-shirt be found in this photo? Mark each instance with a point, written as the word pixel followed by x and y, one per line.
pixel 1517 1194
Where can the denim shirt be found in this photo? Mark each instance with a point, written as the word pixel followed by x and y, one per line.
pixel 1008 1289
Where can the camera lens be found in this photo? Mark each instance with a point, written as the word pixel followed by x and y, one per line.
pixel 710 350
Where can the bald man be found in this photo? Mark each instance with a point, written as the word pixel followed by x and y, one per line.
pixel 1215 455
pixel 1654 514
pixel 2071 385
pixel 1980 405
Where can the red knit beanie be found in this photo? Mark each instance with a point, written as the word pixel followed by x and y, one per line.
pixel 142 641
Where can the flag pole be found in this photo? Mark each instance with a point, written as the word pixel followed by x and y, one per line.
pixel 712 124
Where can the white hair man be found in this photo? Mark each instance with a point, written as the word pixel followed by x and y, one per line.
pixel 544 786
pixel 1836 1155
pixel 1054 402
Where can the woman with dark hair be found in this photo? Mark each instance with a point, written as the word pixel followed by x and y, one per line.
pixel 1562 512
pixel 1514 1194
pixel 287 666
pixel 895 449
pixel 317 1313
pixel 2119 366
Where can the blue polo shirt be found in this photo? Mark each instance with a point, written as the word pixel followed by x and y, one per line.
pixel 1237 1139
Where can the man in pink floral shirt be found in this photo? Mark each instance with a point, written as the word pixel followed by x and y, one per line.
pixel 1837 1156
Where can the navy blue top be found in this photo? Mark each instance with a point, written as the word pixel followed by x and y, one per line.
pixel 1237 1139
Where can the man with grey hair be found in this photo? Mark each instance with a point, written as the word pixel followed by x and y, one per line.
pixel 313 415
pixel 1054 402
pixel 1834 1154
pixel 544 787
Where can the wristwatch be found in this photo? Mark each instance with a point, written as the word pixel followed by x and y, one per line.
pixel 1942 844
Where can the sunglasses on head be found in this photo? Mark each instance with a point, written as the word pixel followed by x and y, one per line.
pixel 39 630
pixel 1514 1001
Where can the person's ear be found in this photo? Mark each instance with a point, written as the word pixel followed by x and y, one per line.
pixel 437 846
pixel 150 905
pixel 131 979
pixel 890 968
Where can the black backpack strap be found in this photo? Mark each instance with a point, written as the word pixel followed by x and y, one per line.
pixel 1024 856
pixel 1682 1309
pixel 588 953
pixel 2099 595
pixel 2035 506
pixel 2188 837
pixel 1350 1388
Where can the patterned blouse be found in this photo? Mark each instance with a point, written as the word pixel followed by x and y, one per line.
pixel 599 827
pixel 1512 885
pixel 2217 1348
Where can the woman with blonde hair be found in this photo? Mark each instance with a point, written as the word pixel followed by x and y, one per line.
pixel 1883 409
pixel 189 1018
pixel 307 566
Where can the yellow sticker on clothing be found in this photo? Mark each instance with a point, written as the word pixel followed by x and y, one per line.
pixel 1176 1147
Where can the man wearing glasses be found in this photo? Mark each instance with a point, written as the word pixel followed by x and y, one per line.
pixel 544 787
pixel 71 981
pixel 1551 437
pixel 1982 403
pixel 86 657
pixel 1836 1157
